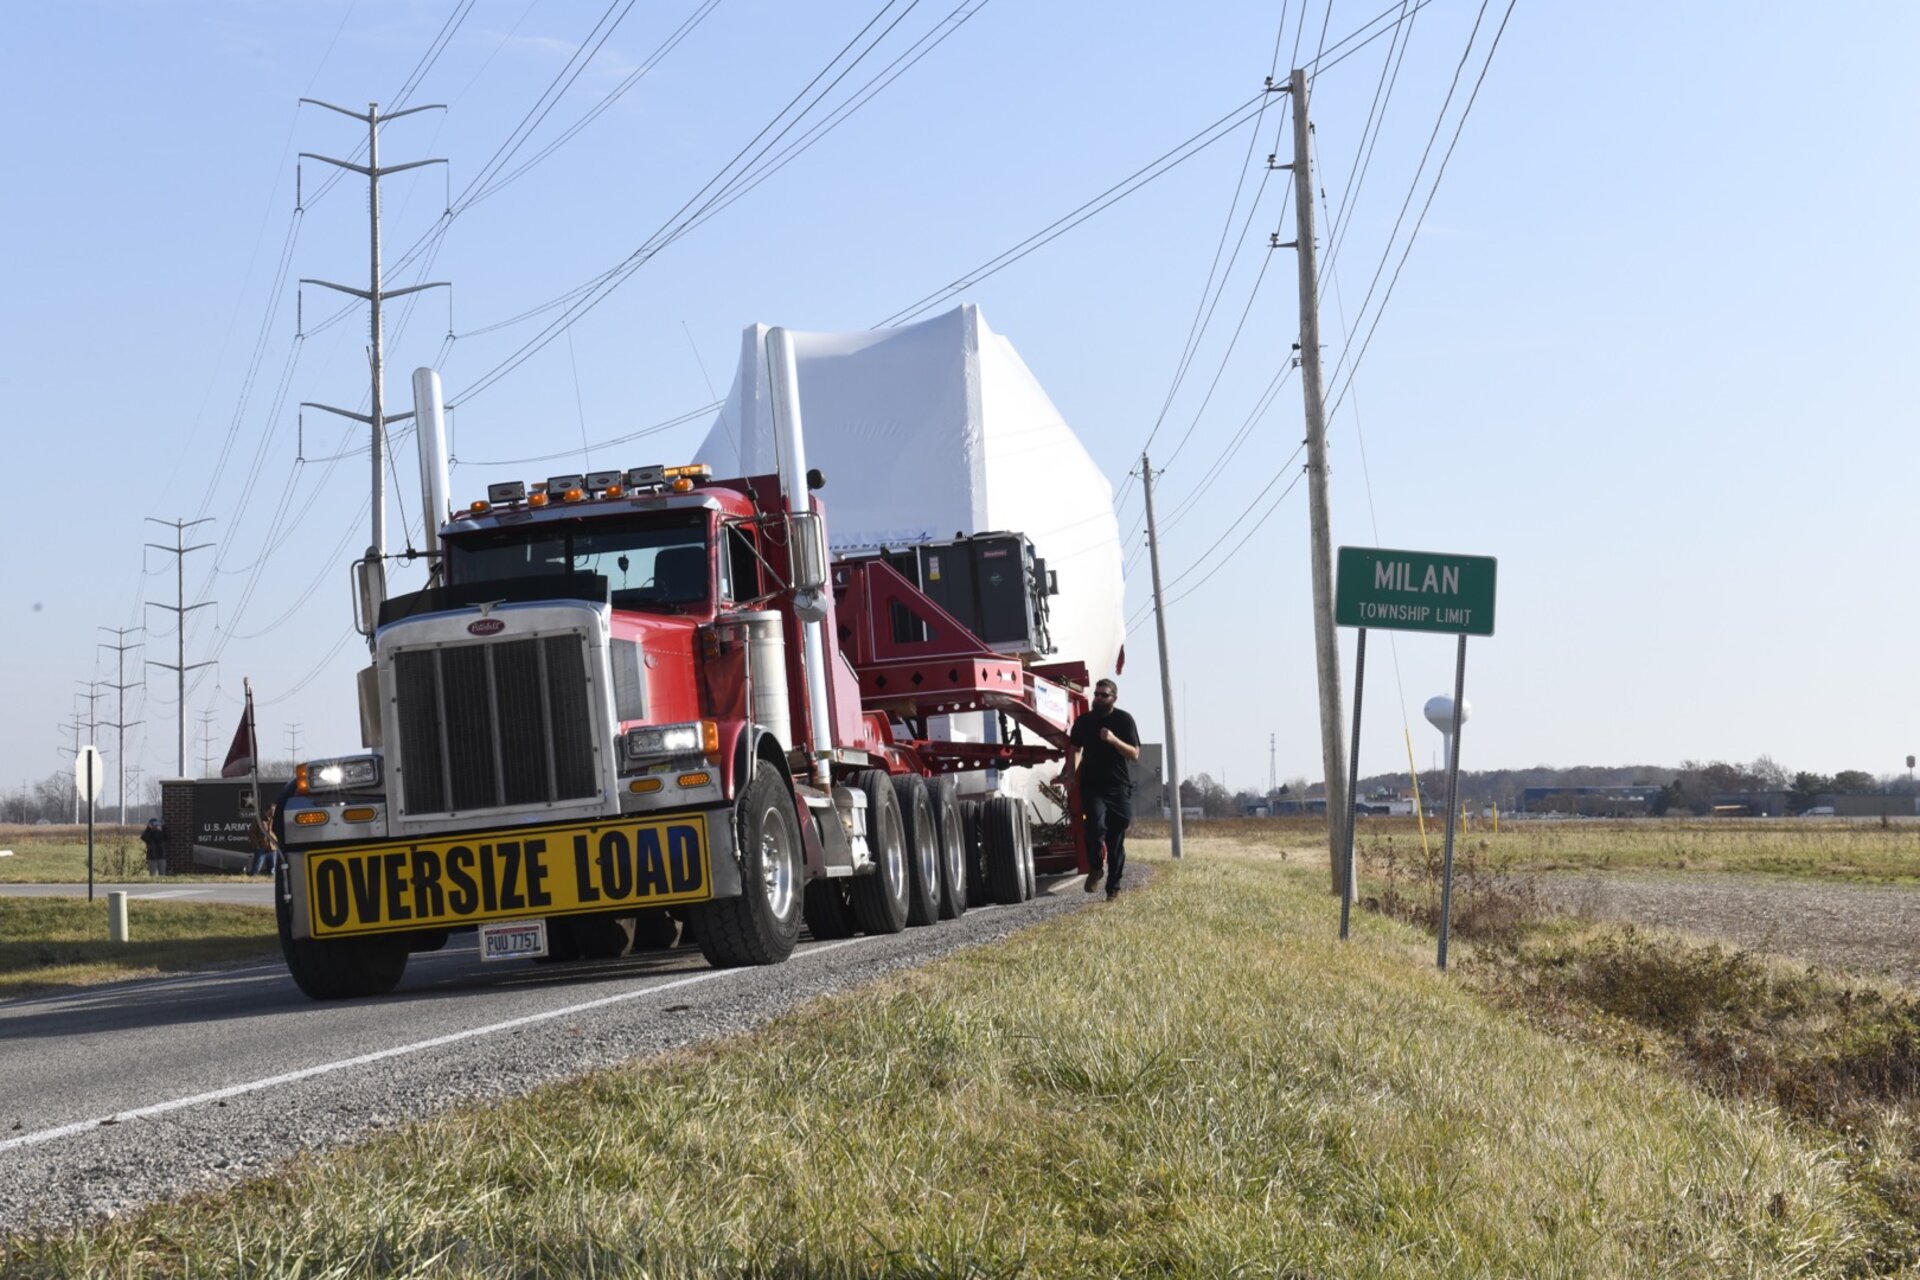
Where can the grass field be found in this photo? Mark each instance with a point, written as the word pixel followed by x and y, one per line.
pixel 1804 848
pixel 51 944
pixel 58 855
pixel 1195 1081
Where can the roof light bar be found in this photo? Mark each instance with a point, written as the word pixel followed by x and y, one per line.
pixel 507 491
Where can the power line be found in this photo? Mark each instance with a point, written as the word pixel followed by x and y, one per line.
pixel 1160 165
pixel 1439 174
pixel 681 220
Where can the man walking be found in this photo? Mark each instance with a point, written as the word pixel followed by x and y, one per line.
pixel 1107 742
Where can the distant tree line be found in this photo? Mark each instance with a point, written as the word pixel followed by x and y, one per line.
pixel 51 798
pixel 1689 788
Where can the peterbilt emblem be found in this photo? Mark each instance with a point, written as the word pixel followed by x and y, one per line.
pixel 486 627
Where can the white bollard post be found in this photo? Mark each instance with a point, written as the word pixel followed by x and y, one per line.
pixel 117 915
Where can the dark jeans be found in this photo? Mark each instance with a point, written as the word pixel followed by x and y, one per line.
pixel 1108 817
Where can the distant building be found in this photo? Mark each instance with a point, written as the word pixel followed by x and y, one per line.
pixel 1869 805
pixel 1751 804
pixel 1619 801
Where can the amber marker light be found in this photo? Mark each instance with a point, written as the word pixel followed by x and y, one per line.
pixel 694 779
pixel 300 779
pixel 681 484
pixel 536 499
pixel 359 815
pixel 479 506
pixel 573 495
pixel 310 818
pixel 615 491
pixel 644 786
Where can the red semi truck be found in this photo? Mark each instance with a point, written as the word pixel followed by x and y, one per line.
pixel 630 703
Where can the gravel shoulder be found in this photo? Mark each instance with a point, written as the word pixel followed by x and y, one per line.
pixel 532 1031
pixel 1867 929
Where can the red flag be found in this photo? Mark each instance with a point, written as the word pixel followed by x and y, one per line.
pixel 240 755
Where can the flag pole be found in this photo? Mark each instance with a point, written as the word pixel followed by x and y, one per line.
pixel 253 750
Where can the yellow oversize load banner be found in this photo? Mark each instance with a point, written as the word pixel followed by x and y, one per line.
pixel 526 871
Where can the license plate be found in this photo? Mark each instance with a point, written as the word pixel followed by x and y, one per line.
pixel 525 873
pixel 513 940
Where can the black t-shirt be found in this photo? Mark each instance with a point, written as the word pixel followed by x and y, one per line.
pixel 1103 770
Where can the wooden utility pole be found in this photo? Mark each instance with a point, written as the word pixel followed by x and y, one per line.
pixel 1326 649
pixel 1166 663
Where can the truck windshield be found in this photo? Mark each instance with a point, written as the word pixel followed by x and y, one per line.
pixel 658 563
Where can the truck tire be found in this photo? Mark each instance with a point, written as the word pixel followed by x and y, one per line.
pixel 923 849
pixel 953 850
pixel 978 892
pixel 879 897
pixel 336 968
pixel 1000 836
pixel 826 910
pixel 761 925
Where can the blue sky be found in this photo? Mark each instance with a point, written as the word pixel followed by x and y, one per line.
pixel 1651 347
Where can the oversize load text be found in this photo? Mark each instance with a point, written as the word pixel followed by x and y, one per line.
pixel 501 875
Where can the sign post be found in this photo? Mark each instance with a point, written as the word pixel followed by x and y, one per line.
pixel 89 772
pixel 1413 591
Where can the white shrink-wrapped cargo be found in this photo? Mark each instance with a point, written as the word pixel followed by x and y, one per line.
pixel 936 429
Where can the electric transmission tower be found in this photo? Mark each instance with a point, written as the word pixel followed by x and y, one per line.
pixel 121 724
pixel 180 609
pixel 374 294
pixel 206 742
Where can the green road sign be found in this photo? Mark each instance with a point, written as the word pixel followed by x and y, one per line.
pixel 1414 591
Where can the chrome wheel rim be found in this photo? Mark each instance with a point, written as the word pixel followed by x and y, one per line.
pixel 927 851
pixel 776 863
pixel 956 855
pixel 896 855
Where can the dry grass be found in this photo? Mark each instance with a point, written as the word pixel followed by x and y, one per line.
pixel 1195 1081
pixel 1842 1056
pixel 1865 850
pixel 58 855
pixel 52 944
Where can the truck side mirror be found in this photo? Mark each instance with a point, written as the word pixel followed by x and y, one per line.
pixel 806 552
pixel 369 592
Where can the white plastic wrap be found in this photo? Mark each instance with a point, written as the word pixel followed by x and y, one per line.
pixel 936 429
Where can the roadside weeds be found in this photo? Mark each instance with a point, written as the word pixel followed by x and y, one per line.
pixel 1195 1080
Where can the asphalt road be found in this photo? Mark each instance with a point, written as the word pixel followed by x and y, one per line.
pixel 116 1095
pixel 245 893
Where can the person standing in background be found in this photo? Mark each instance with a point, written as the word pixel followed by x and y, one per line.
pixel 266 844
pixel 155 838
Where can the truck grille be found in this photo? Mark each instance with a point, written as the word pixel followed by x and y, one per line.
pixel 494 724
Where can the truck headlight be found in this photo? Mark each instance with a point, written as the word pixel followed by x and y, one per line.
pixel 694 738
pixel 344 773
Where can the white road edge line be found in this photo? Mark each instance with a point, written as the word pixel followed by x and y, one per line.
pixel 381 1055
